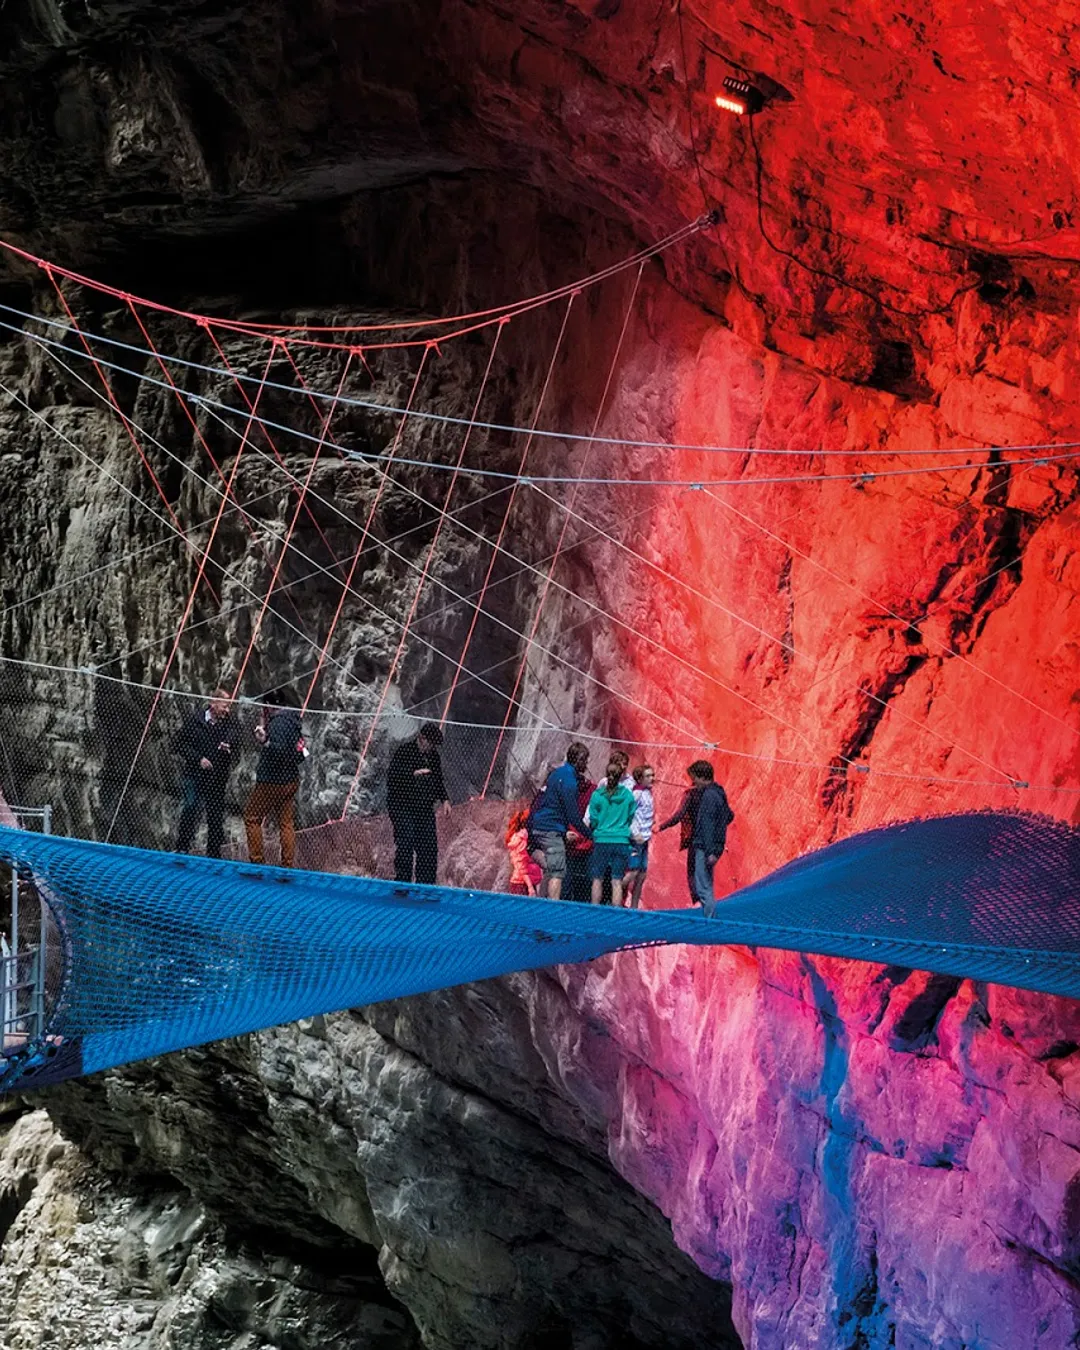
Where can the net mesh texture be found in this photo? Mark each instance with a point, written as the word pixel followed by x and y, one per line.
pixel 165 952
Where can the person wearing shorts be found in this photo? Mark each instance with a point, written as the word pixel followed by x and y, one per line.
pixel 611 809
pixel 554 812
pixel 641 828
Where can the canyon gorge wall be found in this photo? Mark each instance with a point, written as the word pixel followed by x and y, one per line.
pixel 847 1156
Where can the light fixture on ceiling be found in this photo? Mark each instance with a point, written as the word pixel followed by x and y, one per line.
pixel 740 97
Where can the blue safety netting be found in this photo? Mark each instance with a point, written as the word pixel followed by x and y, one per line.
pixel 159 952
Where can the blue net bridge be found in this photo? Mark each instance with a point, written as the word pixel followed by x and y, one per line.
pixel 126 953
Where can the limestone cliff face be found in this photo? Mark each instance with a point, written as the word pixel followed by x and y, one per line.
pixel 850 1156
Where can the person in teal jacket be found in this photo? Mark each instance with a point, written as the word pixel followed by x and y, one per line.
pixel 611 809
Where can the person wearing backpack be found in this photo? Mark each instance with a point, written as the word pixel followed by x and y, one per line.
pixel 277 778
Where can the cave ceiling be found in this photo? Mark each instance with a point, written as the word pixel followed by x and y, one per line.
pixel 907 155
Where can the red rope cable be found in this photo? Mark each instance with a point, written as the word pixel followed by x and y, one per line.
pixel 284 347
pixel 424 570
pixel 562 533
pixel 347 586
pixel 506 514
pixel 226 496
pixel 193 421
pixel 287 541
pixel 266 331
pixel 118 410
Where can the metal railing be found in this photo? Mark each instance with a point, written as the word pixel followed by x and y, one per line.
pixel 23 964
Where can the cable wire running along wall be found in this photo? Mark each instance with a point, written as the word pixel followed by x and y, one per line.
pixel 162 952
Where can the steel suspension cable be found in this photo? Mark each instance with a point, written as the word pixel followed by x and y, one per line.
pixel 301 500
pixel 187 609
pixel 428 559
pixel 478 608
pixel 562 533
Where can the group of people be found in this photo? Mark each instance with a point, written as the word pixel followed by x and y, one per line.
pixel 584 841
pixel 206 743
pixel 577 840
pixel 208 740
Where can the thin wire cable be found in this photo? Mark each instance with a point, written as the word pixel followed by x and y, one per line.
pixel 194 423
pixel 562 532
pixel 301 580
pixel 478 609
pixel 366 530
pixel 570 437
pixel 237 381
pixel 319 568
pixel 186 614
pixel 428 559
pixel 531 643
pixel 301 500
pixel 513 701
pixel 124 422
pixel 942 646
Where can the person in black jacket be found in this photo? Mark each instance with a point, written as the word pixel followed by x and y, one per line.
pixel 704 815
pixel 277 778
pixel 205 745
pixel 414 786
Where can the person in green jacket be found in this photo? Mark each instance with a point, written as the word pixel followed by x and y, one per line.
pixel 611 809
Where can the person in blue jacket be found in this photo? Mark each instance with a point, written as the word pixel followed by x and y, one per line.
pixel 704 816
pixel 555 811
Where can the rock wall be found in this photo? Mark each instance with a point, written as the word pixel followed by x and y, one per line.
pixel 864 1157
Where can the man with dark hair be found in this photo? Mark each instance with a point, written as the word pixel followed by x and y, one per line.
pixel 414 786
pixel 277 778
pixel 704 816
pixel 555 811
pixel 204 744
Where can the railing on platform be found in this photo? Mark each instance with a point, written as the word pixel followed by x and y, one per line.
pixel 24 961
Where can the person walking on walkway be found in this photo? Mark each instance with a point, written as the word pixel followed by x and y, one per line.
pixel 414 787
pixel 611 809
pixel 277 777
pixel 555 811
pixel 204 744
pixel 704 816
pixel 641 830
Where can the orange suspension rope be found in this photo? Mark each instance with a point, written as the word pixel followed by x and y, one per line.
pixel 365 531
pixel 509 506
pixel 193 421
pixel 226 496
pixel 287 541
pixel 48 270
pixel 562 533
pixel 284 347
pixel 443 516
